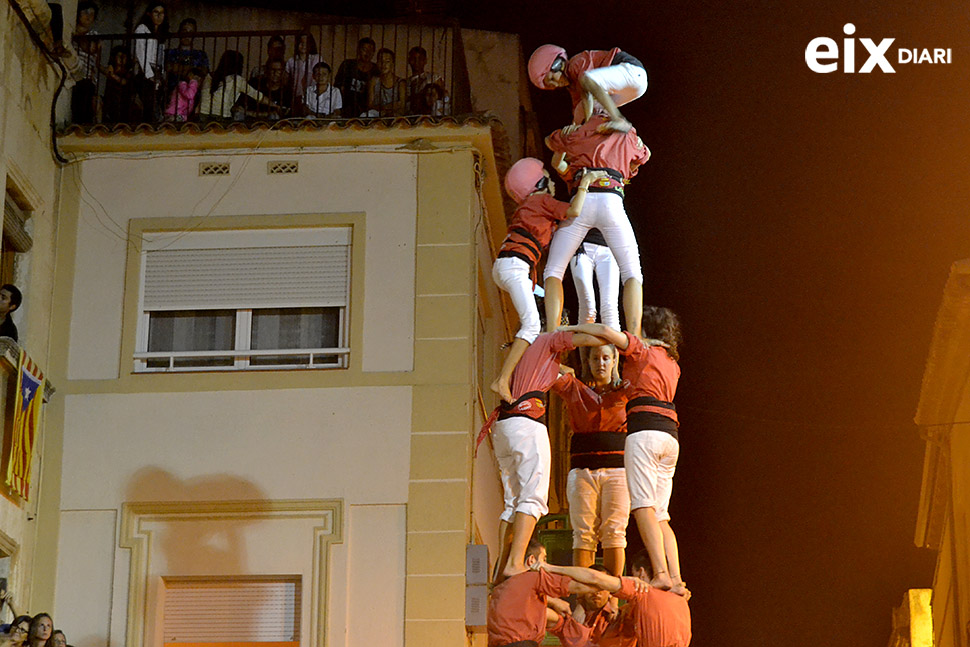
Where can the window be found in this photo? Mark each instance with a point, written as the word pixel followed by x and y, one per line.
pixel 232 612
pixel 244 300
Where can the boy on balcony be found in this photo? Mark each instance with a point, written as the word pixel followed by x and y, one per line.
pixel 10 299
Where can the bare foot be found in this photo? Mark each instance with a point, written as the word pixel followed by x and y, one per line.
pixel 680 589
pixel 502 390
pixel 514 569
pixel 615 125
pixel 661 581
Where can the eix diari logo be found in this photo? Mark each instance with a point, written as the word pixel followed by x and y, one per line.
pixel 877 54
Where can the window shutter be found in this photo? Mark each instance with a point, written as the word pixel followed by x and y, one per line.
pixel 251 277
pixel 232 611
pixel 15 226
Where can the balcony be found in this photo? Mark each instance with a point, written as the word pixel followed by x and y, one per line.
pixel 336 70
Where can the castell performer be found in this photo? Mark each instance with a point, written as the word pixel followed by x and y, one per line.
pixel 611 77
pixel 521 444
pixel 618 156
pixel 514 271
pixel 652 445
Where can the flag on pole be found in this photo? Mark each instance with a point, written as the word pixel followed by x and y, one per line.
pixel 30 393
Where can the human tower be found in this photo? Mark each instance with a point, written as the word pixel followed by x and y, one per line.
pixel 624 446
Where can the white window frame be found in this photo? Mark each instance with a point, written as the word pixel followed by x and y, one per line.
pixel 241 353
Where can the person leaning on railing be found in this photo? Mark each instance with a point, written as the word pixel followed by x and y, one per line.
pixel 150 56
pixel 223 88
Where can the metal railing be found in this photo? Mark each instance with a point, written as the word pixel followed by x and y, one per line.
pixel 371 70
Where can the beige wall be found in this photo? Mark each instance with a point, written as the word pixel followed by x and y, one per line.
pixel 494 61
pixel 389 439
pixel 27 85
pixel 113 191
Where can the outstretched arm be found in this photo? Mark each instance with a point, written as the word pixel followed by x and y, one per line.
pixel 606 335
pixel 587 576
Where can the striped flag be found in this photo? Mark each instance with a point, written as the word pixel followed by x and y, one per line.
pixel 30 393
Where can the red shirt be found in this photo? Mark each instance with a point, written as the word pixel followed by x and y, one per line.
pixel 586 148
pixel 617 632
pixel 651 372
pixel 539 366
pixel 578 65
pixel 598 423
pixel 517 607
pixel 660 618
pixel 532 225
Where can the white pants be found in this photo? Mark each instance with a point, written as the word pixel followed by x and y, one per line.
pixel 605 212
pixel 624 82
pixel 650 458
pixel 599 507
pixel 514 276
pixel 524 461
pixel 599 260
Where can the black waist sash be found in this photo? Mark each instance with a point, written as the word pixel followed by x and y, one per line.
pixel 651 420
pixel 596 450
pixel 521 408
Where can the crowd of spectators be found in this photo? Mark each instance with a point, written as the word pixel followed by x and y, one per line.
pixel 150 80
pixel 30 631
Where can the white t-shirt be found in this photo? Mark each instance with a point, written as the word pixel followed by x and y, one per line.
pixel 325 103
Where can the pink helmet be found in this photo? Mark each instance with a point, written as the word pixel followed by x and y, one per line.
pixel 541 62
pixel 521 179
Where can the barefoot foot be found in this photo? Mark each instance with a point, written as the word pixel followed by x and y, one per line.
pixel 680 589
pixel 661 581
pixel 615 125
pixel 513 569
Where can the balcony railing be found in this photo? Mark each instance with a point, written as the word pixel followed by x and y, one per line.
pixel 370 71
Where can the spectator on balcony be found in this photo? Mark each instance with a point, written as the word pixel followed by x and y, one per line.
pixel 322 99
pixel 272 84
pixel 150 55
pixel 179 60
pixel 41 627
pixel 223 88
pixel 15 634
pixel 301 67
pixel 419 81
pixel 181 102
pixel 10 299
pixel 120 101
pixel 58 639
pixel 275 51
pixel 436 100
pixel 84 98
pixel 353 78
pixel 385 97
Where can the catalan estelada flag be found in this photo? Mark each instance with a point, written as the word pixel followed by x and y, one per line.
pixel 30 394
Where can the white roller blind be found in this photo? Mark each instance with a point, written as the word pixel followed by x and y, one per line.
pixel 247 277
pixel 235 611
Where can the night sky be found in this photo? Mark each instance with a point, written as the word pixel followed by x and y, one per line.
pixel 803 226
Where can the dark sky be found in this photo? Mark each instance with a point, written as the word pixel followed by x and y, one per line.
pixel 802 225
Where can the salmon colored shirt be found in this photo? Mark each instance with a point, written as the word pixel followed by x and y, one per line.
pixel 660 618
pixel 650 371
pixel 517 607
pixel 586 148
pixel 532 225
pixel 592 413
pixel 539 366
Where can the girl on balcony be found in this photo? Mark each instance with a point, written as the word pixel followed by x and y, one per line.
pixel 150 55
pixel 223 88
pixel 300 66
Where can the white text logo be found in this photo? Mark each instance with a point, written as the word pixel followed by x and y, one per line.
pixel 822 54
